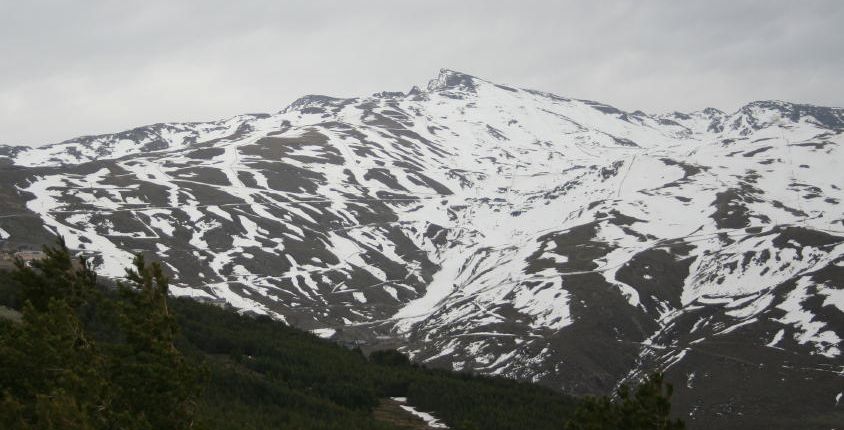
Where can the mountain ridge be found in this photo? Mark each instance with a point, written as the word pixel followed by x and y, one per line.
pixel 487 228
pixel 446 80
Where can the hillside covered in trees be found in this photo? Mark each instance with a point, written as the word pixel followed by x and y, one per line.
pixel 77 353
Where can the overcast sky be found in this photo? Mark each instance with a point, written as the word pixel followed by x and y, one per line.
pixel 69 68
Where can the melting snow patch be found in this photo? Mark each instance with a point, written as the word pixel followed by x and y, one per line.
pixel 219 212
pixel 809 331
pixel 359 296
pixel 324 333
pixel 777 338
pixel 834 297
pixel 428 418
pixel 392 292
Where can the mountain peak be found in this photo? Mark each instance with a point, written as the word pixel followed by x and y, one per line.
pixel 452 80
pixel 762 110
pixel 487 229
pixel 311 100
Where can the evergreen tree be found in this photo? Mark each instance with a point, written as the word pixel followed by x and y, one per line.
pixel 87 358
pixel 50 369
pixel 648 407
pixel 153 378
pixel 55 277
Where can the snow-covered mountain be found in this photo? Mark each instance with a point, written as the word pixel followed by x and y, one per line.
pixel 488 228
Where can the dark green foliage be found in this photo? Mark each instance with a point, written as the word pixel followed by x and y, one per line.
pixel 265 374
pixel 83 358
pixel 151 377
pixel 10 291
pixel 467 425
pixel 90 357
pixel 49 371
pixel 648 407
pixel 276 375
pixel 389 357
pixel 55 277
pixel 471 401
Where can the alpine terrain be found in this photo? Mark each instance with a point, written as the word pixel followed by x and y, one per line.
pixel 487 228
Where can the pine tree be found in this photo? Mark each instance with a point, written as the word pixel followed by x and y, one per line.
pixel 86 358
pixel 152 376
pixel 55 277
pixel 648 407
pixel 49 366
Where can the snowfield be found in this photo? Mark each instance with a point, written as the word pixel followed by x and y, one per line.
pixel 489 228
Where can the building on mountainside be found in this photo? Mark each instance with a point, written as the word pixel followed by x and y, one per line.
pixel 8 257
pixel 216 301
pixel 28 256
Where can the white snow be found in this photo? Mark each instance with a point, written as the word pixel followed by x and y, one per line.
pixel 359 296
pixel 826 341
pixel 521 169
pixel 324 333
pixel 429 419
pixel 777 338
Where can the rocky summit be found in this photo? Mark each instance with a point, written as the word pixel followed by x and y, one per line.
pixel 492 229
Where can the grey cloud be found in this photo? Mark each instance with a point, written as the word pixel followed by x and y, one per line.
pixel 72 68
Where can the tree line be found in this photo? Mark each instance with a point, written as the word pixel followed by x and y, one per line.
pixel 88 355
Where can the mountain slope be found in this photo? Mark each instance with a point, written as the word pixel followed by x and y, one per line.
pixel 488 228
pixel 214 369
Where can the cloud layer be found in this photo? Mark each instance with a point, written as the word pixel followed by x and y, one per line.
pixel 73 68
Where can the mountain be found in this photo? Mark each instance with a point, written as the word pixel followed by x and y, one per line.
pixel 487 228
pixel 136 360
